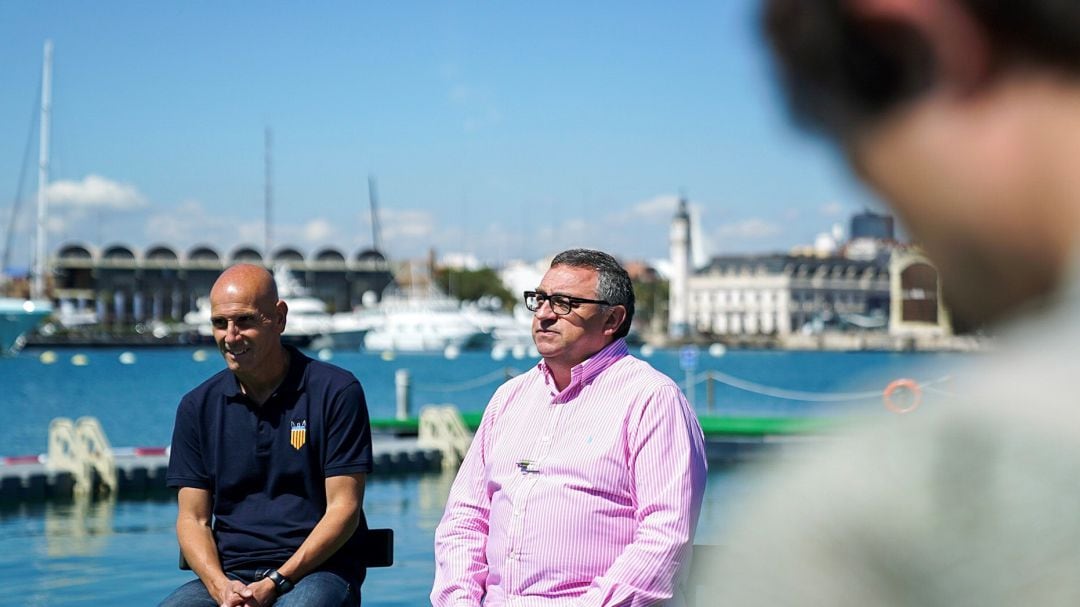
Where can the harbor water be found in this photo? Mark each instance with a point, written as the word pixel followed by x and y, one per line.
pixel 124 553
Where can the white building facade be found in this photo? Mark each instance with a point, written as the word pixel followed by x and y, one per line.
pixel 869 284
pixel 777 295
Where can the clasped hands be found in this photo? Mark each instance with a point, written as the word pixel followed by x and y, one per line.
pixel 262 593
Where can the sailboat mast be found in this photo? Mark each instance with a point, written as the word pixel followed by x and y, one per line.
pixel 268 199
pixel 373 200
pixel 38 285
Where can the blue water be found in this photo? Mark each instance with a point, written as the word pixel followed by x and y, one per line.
pixel 136 402
pixel 123 553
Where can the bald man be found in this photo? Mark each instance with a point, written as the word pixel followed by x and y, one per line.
pixel 269 456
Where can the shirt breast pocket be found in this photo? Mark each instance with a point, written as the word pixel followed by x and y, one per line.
pixel 591 459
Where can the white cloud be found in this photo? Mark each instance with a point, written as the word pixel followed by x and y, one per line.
pixel 407 224
pixel 54 224
pixel 831 209
pixel 177 225
pixel 248 233
pixel 189 223
pixel 749 229
pixel 657 207
pixel 575 226
pixel 95 192
pixel 309 237
pixel 318 231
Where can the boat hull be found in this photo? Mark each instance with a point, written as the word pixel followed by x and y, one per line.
pixel 430 341
pixel 17 318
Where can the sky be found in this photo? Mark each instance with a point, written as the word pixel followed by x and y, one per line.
pixel 498 130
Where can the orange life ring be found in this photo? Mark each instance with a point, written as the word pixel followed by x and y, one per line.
pixel 896 384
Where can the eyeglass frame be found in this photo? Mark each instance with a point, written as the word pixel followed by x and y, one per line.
pixel 571 302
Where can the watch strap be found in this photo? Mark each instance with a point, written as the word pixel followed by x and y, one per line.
pixel 281 582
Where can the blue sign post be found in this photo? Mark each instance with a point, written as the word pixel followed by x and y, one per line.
pixel 688 358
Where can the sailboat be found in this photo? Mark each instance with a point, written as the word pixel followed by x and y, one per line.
pixel 18 316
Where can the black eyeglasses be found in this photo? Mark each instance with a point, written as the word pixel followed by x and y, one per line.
pixel 560 304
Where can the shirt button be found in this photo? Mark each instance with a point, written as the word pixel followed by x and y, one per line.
pixel 546 439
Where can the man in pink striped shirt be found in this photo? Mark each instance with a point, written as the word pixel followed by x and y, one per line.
pixel 584 481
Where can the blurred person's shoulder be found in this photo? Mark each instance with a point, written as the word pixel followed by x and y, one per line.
pixel 971 499
pixel 1033 371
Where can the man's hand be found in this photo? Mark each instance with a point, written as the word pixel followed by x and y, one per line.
pixel 263 592
pixel 236 594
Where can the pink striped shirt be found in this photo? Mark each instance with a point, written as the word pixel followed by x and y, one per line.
pixel 588 496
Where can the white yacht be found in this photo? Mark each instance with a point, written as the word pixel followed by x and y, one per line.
pixel 509 331
pixel 433 323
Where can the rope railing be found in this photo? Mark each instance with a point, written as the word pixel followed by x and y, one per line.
pixel 710 376
pixel 483 380
pixel 929 388
pixel 801 395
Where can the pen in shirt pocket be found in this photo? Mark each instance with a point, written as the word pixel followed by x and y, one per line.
pixel 528 465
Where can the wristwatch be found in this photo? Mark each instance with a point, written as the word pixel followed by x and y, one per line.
pixel 281 582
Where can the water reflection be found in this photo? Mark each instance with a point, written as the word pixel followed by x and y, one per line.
pixel 81 527
pixel 412 505
pixel 433 491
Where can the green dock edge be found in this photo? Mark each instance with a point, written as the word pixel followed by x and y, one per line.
pixel 712 426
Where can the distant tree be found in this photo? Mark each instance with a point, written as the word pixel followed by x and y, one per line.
pixel 651 297
pixel 471 285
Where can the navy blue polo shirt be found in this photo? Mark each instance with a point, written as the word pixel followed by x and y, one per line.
pixel 265 466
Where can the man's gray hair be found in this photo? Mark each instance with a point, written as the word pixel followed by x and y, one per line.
pixel 612 283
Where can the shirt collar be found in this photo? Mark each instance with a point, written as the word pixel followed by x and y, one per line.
pixel 587 370
pixel 298 364
pixel 294 377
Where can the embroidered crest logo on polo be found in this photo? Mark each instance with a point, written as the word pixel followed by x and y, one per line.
pixel 299 433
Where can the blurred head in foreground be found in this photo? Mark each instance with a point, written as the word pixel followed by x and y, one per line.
pixel 965 116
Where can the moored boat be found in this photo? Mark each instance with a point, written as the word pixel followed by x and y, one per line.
pixel 426 324
pixel 18 317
